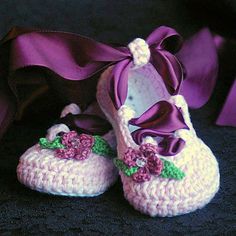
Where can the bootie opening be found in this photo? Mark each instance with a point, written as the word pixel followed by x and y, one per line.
pixel 145 88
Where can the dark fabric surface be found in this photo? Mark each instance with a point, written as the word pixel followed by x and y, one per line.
pixel 24 212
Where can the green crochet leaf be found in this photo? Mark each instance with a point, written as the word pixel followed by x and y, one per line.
pixel 55 144
pixel 171 171
pixel 101 147
pixel 125 169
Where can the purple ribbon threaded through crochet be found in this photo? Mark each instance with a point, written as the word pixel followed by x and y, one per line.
pixel 77 58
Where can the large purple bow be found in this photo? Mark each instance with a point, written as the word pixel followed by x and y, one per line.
pixel 163 42
pixel 75 58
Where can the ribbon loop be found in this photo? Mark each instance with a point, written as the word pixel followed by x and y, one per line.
pixel 156 49
pixel 163 117
pixel 165 38
pixel 162 120
pixel 76 59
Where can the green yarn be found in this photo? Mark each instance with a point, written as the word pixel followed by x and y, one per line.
pixel 55 144
pixel 101 147
pixel 171 171
pixel 124 168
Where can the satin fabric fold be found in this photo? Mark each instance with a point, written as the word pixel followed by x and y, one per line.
pixel 86 123
pixel 162 120
pixel 200 60
pixel 199 57
pixel 169 146
pixel 76 59
pixel 162 42
pixel 163 117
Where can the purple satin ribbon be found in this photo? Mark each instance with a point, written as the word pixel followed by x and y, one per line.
pixel 162 120
pixel 163 42
pixel 199 55
pixel 163 117
pixel 200 60
pixel 86 123
pixel 77 58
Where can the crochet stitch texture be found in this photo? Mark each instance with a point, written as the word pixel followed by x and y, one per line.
pixel 161 196
pixel 40 170
pixel 43 170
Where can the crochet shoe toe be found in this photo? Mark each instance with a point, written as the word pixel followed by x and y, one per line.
pixel 69 163
pixel 166 170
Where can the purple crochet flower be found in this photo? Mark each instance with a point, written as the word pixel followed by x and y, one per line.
pixel 82 153
pixel 147 159
pixel 70 139
pixel 65 153
pixel 86 140
pixel 131 156
pixel 142 175
pixel 76 146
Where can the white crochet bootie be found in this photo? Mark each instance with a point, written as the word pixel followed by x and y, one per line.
pixel 68 163
pixel 155 183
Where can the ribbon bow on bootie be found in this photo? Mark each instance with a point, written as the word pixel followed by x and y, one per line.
pixel 75 58
pixel 53 50
pixel 158 50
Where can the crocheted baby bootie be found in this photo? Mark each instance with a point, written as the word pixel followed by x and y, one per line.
pixel 166 170
pixel 68 162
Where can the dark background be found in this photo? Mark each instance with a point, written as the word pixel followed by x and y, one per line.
pixel 24 212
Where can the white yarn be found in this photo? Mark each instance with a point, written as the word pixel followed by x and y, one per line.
pixel 40 170
pixel 71 108
pixel 140 52
pixel 127 112
pixel 149 139
pixel 56 129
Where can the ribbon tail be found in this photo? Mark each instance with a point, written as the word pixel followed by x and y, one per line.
pixel 162 119
pixel 170 146
pixel 168 66
pixel 118 82
pixel 86 123
pixel 228 113
pixel 139 134
pixel 69 59
pixel 162 116
pixel 200 60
